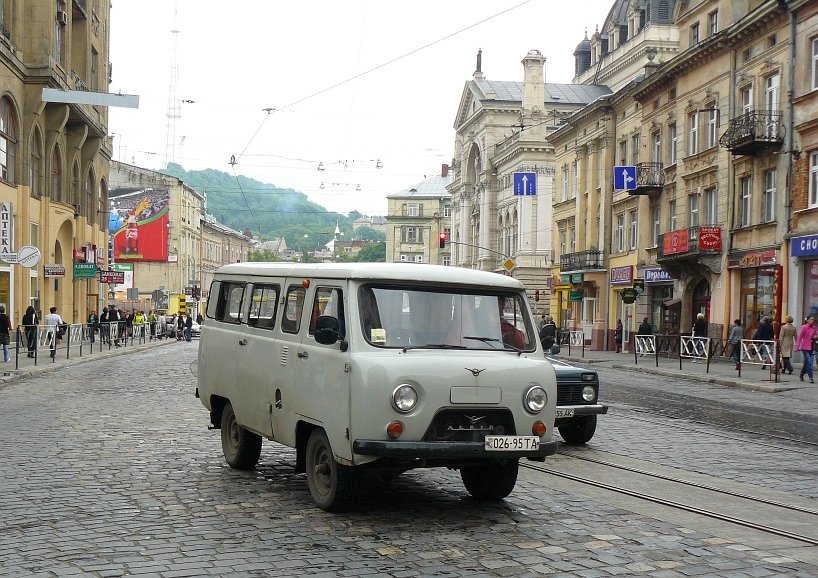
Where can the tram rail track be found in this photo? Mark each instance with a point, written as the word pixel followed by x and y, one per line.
pixel 763 508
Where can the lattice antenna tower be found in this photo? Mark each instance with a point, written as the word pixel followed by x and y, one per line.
pixel 174 106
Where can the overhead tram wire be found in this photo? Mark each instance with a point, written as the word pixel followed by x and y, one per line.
pixel 378 67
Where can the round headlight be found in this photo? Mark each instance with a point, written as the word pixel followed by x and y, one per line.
pixel 404 398
pixel 588 393
pixel 535 399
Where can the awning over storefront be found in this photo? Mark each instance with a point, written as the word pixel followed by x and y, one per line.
pixel 671 302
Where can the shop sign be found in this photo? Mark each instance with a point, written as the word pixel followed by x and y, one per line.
pixel 675 242
pixel 804 246
pixel 112 277
pixel 85 270
pixel 709 238
pixel 575 296
pixel 79 254
pixel 6 229
pixel 778 283
pixel 622 275
pixel 657 276
pixel 54 270
pixel 751 260
pixel 565 279
pixel 629 295
pixel 576 278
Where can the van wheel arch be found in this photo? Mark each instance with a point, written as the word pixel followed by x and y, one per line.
pixel 217 404
pixel 302 436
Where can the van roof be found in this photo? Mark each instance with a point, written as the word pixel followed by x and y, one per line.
pixel 374 272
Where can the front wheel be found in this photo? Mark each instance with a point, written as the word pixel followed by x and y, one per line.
pixel 241 448
pixel 579 430
pixel 491 481
pixel 332 485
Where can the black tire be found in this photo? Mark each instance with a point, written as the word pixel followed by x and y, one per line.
pixel 332 485
pixel 579 430
pixel 241 448
pixel 492 481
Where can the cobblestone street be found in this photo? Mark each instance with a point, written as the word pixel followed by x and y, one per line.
pixel 110 470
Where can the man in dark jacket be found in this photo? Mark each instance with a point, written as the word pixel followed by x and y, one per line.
pixel 188 328
pixel 764 332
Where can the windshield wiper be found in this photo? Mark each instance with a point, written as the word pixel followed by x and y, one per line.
pixel 435 346
pixel 492 340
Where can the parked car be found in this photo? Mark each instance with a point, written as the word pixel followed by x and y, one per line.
pixel 195 331
pixel 577 401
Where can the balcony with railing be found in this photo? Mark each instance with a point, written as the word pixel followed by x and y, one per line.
pixel 753 132
pixel 591 260
pixel 650 178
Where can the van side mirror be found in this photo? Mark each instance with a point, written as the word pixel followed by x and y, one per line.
pixel 327 330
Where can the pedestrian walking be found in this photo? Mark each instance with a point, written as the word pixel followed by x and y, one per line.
pixel 30 323
pixel 699 330
pixel 5 333
pixel 53 322
pixel 189 328
pixel 618 335
pixel 786 340
pixel 734 339
pixel 806 345
pixel 104 328
pixel 764 332
pixel 645 328
pixel 93 325
pixel 152 322
pixel 180 327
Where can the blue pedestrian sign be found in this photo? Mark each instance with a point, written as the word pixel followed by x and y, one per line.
pixel 525 184
pixel 624 178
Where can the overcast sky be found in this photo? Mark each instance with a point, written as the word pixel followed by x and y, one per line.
pixel 351 82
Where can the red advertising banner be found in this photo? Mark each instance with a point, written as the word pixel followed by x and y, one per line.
pixel 710 238
pixel 675 242
pixel 141 231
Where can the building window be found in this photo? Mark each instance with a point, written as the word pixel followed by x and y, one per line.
pixel 94 69
pixel 657 215
pixel 813 179
pixel 814 63
pixel 635 150
pixel 412 235
pixel 447 211
pixel 414 210
pixel 693 204
pixel 56 176
pixel 620 232
pixel 8 140
pixel 623 153
pixel 576 181
pixel 656 149
pixel 572 236
pixel 565 183
pixel 671 215
pixel 36 164
pixel 633 230
pixel 747 99
pixel 768 202
pixel 710 207
pixel 562 241
pixel 694 34
pixel 744 217
pixel 773 83
pixel 693 145
pixel 672 142
pixel 712 127
pixel 713 22
pixel 418 258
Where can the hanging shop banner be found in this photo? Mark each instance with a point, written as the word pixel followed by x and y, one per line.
pixel 657 276
pixel 127 276
pixel 575 296
pixel 622 275
pixel 138 223
pixel 112 277
pixel 6 229
pixel 675 242
pixel 85 270
pixel 709 238
pixel 53 270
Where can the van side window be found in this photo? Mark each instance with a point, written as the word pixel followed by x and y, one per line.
pixel 228 302
pixel 212 304
pixel 263 304
pixel 328 301
pixel 293 305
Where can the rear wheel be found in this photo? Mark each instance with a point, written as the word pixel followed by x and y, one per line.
pixel 332 485
pixel 241 448
pixel 579 430
pixel 493 480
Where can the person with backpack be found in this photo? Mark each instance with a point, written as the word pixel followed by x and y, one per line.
pixel 548 334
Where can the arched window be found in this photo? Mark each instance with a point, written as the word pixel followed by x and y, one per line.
pixel 55 187
pixel 36 164
pixel 74 199
pixel 8 140
pixel 90 205
pixel 102 211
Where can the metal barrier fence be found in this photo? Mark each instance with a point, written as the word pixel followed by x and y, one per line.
pixel 760 352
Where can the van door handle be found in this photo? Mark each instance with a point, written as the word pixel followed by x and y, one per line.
pixel 303 354
pixel 242 342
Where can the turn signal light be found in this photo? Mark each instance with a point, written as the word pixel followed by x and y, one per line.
pixel 394 430
pixel 538 429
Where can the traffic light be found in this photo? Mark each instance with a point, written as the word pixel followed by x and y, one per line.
pixel 442 239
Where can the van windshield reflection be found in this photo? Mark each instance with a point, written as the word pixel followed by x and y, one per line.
pixel 419 317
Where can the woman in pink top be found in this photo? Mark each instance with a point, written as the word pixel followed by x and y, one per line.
pixel 804 345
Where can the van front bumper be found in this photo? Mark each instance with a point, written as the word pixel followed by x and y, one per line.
pixel 444 450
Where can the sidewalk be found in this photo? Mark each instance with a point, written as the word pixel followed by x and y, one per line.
pixel 721 370
pixel 25 366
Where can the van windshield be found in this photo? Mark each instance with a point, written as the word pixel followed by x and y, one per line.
pixel 436 319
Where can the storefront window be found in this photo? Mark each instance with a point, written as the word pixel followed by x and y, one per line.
pixel 810 288
pixel 658 296
pixel 757 296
